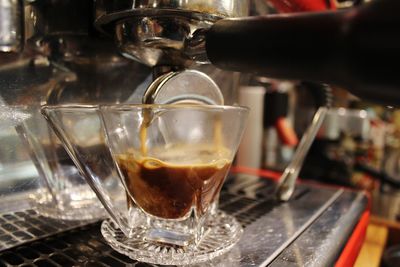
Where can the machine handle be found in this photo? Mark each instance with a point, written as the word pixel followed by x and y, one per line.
pixel 355 48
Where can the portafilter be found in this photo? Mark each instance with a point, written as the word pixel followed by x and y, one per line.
pixel 163 32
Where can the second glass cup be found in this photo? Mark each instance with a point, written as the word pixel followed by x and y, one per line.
pixel 172 161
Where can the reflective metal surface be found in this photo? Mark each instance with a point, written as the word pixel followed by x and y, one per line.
pixel 266 238
pixel 11 14
pixel 188 86
pixel 163 32
pixel 322 242
pixel 159 40
pixel 21 227
pixel 287 182
pixel 223 8
pixel 64 59
pixel 309 230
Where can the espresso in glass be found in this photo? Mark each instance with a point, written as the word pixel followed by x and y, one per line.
pixel 171 162
pixel 168 188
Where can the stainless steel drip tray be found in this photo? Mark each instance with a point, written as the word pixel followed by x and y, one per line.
pixel 309 230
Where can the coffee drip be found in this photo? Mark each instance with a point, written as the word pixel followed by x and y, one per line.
pixel 148 117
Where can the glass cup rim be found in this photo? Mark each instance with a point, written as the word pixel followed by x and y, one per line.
pixel 128 107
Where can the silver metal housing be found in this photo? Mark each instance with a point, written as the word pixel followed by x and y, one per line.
pixel 11 16
pixel 163 32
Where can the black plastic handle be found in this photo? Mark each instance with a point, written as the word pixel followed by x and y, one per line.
pixel 282 46
pixel 358 49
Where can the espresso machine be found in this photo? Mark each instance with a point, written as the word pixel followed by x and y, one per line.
pixel 88 52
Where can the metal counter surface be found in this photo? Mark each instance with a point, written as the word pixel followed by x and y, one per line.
pixel 322 243
pixel 309 230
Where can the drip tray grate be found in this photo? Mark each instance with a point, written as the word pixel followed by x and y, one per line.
pixel 249 200
pixel 77 247
pixel 85 245
pixel 24 226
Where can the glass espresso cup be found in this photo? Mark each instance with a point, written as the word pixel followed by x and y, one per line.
pixel 172 161
pixel 61 192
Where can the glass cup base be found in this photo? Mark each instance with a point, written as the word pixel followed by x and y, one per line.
pixel 80 205
pixel 223 233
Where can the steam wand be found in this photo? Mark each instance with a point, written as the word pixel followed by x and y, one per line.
pixel 286 184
